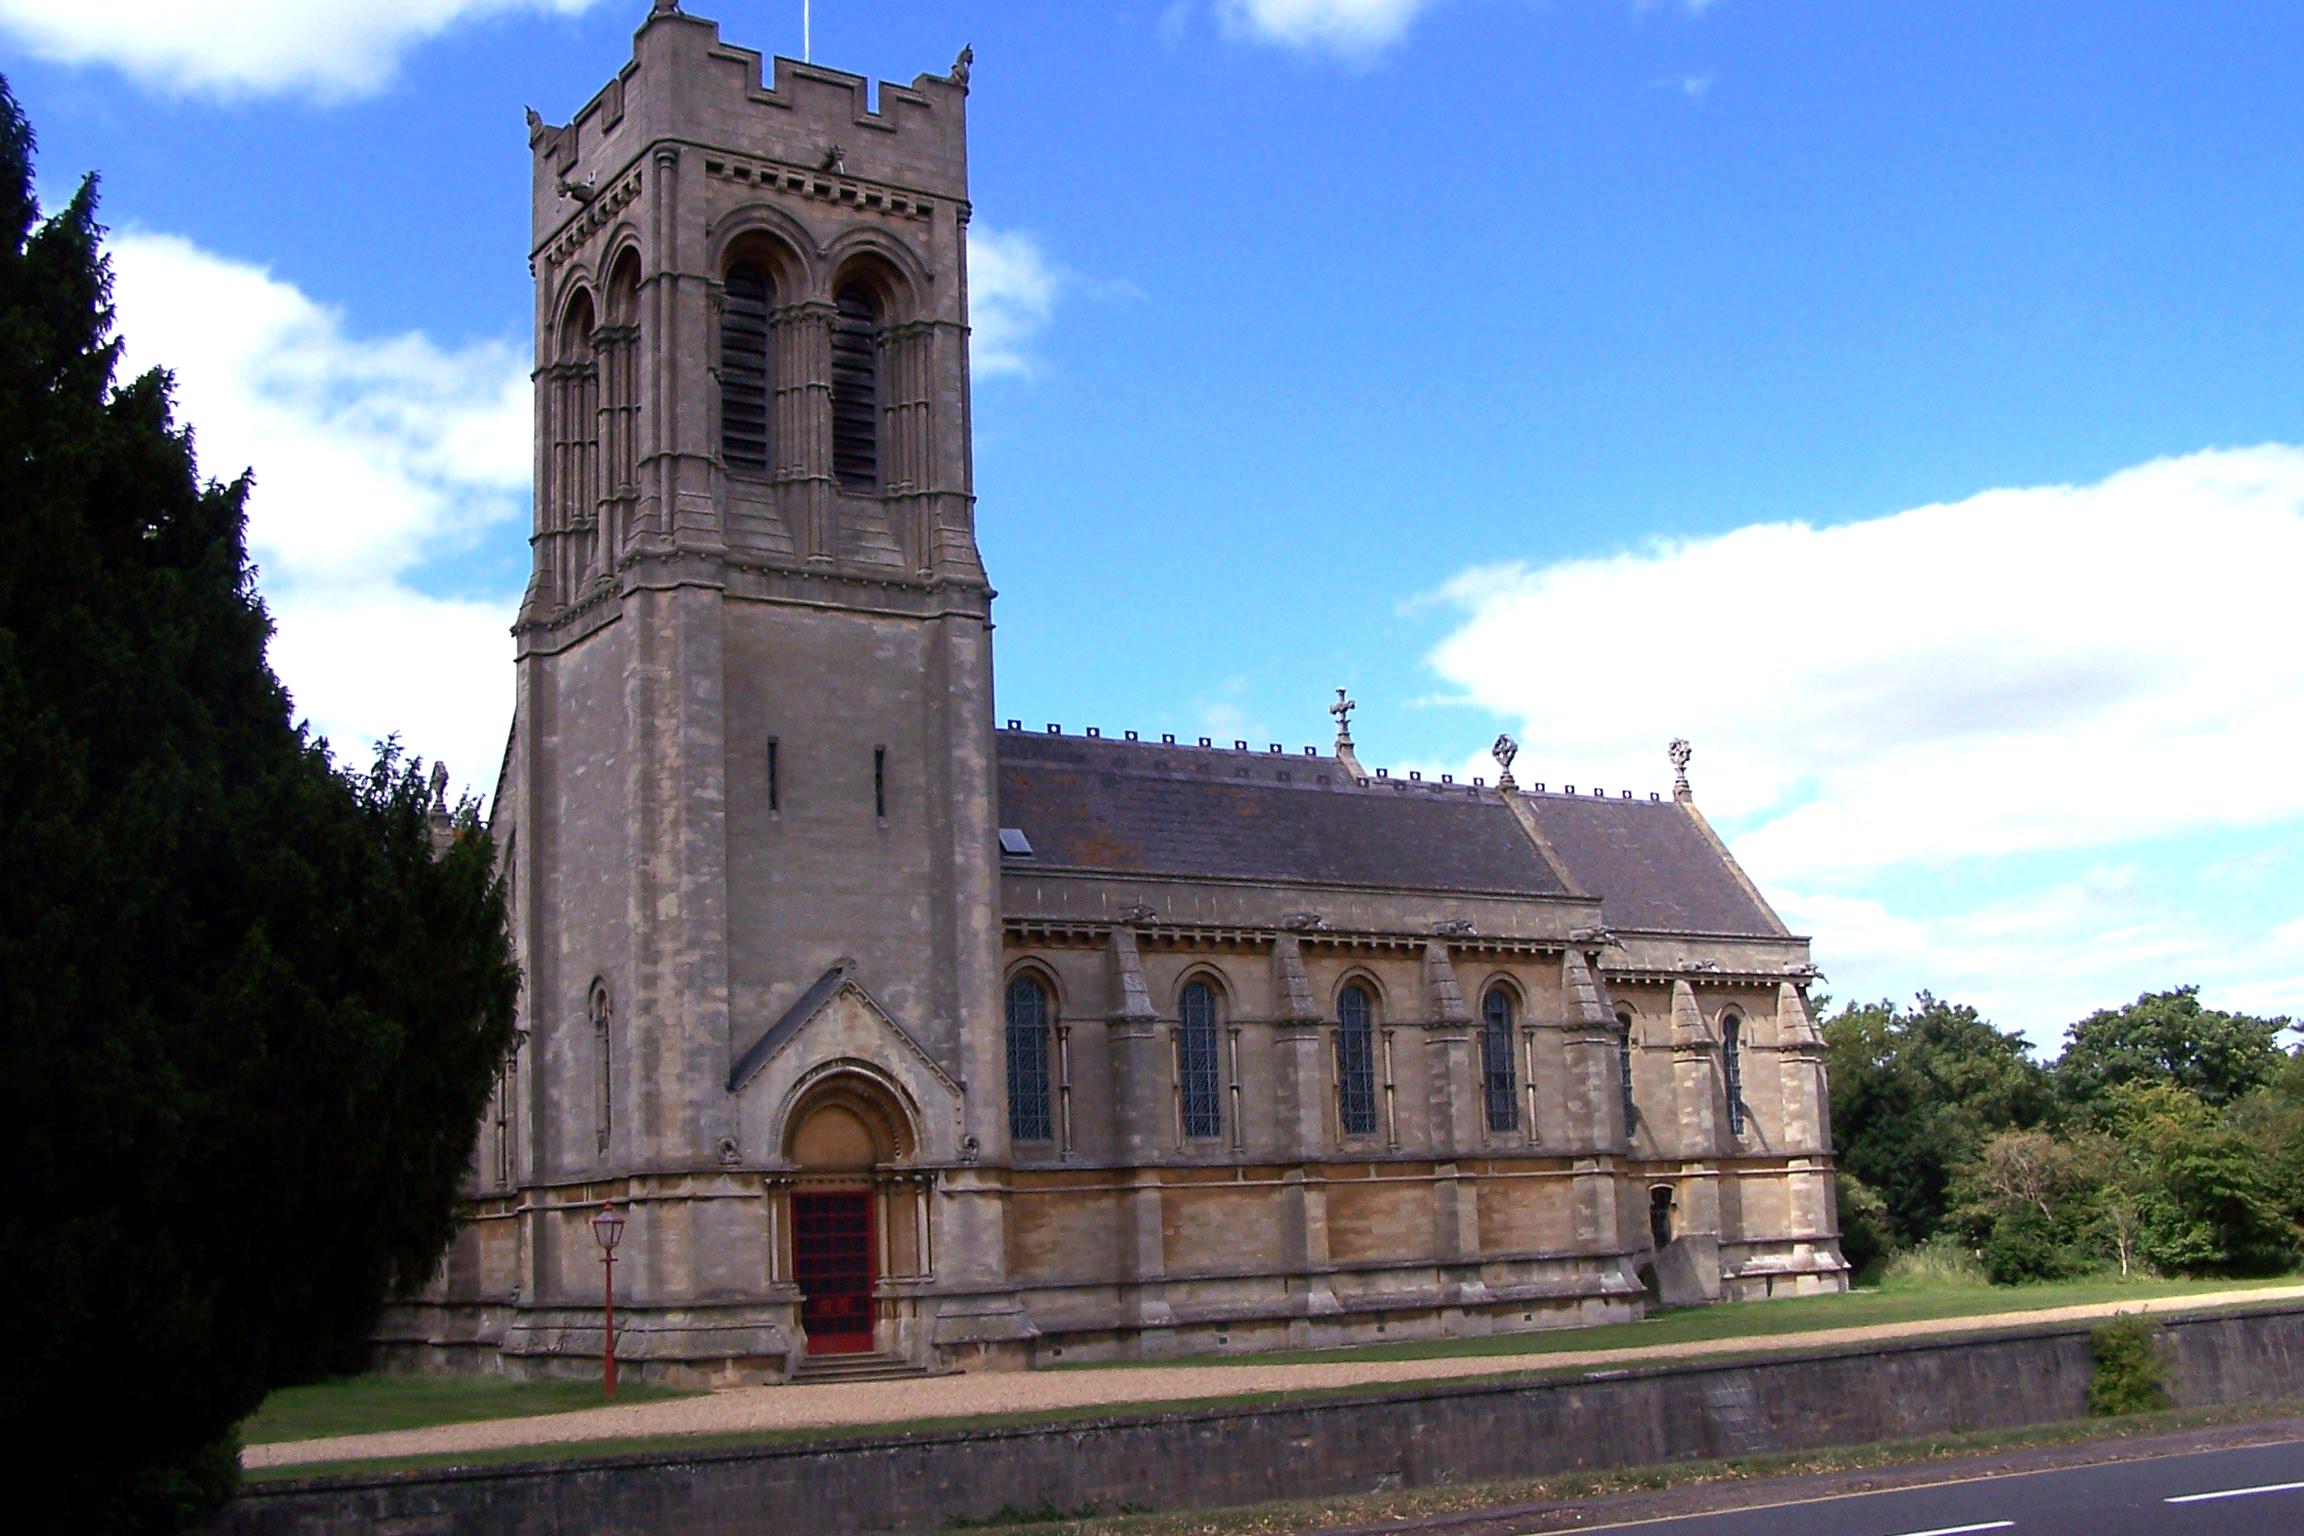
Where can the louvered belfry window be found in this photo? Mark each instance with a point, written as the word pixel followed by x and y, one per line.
pixel 1355 1062
pixel 1498 1081
pixel 1199 1079
pixel 744 370
pixel 1028 1118
pixel 856 389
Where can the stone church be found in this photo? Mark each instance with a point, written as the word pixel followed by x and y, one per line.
pixel 906 1040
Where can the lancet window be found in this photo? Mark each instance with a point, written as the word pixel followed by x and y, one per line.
pixel 603 1062
pixel 1732 1070
pixel 1499 1079
pixel 1630 1112
pixel 1356 1061
pixel 1028 1116
pixel 856 388
pixel 1199 1071
pixel 746 373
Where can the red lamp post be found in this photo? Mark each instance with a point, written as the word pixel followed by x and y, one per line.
pixel 607 1227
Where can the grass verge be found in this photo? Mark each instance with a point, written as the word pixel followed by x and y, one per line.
pixel 359 1405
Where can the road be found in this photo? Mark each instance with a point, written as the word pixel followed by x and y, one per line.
pixel 2255 1491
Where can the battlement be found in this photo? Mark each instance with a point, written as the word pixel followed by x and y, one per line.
pixel 686 86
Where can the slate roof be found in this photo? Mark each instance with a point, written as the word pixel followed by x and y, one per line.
pixel 1653 866
pixel 1169 810
pixel 1150 809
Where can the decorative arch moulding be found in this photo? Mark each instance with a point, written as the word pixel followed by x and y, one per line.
pixel 596 216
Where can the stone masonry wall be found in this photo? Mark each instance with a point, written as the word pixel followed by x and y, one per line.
pixel 1217 1457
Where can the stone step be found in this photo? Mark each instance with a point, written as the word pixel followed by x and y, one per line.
pixel 824 1368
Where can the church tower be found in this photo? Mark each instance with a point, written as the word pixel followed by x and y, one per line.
pixel 747 809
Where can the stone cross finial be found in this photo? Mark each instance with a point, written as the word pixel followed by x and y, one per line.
pixel 1504 751
pixel 1680 752
pixel 1342 710
pixel 439 789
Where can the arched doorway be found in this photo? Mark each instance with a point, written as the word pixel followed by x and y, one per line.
pixel 844 1135
pixel 1660 1215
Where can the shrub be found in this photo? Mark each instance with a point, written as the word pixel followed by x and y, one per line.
pixel 1866 1240
pixel 2025 1245
pixel 2130 1370
pixel 1940 1261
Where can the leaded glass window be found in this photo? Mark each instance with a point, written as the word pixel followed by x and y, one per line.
pixel 1732 1069
pixel 1356 1061
pixel 1499 1081
pixel 1199 1079
pixel 1028 1118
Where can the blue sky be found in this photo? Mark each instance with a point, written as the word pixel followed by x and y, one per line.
pixel 1900 401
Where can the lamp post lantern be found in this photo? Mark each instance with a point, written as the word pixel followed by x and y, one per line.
pixel 607 1227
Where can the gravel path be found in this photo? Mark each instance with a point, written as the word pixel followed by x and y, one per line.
pixel 740 1409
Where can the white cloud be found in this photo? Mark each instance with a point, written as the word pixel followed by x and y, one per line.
pixel 2061 672
pixel 234 48
pixel 373 457
pixel 1012 292
pixel 1354 29
pixel 2039 959
pixel 2052 668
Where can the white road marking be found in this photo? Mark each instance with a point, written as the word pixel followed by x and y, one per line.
pixel 1963 1530
pixel 2233 1493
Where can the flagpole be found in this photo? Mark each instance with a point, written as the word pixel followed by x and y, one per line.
pixel 807 33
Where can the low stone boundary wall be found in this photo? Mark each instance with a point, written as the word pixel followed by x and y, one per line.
pixel 1444 1433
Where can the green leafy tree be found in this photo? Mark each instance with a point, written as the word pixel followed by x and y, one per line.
pixel 2208 1203
pixel 248 1015
pixel 2023 1201
pixel 2167 1037
pixel 1915 1094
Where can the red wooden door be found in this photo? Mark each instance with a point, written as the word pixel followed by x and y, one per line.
pixel 832 1264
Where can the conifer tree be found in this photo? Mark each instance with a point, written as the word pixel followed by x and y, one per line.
pixel 248 1015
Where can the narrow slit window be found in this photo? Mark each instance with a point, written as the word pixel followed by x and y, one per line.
pixel 1732 1071
pixel 1499 1080
pixel 603 1063
pixel 775 788
pixel 1356 1061
pixel 880 782
pixel 856 389
pixel 744 369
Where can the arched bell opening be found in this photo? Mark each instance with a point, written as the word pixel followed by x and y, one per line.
pixel 851 1216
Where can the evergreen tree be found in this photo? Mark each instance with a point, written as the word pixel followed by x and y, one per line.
pixel 249 1017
